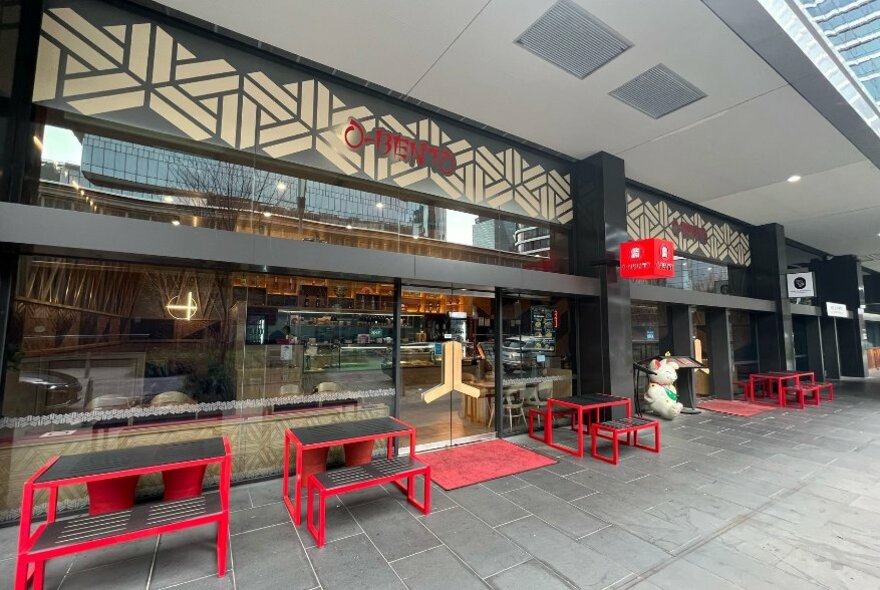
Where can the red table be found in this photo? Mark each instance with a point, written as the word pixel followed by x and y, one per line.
pixel 64 537
pixel 778 378
pixel 578 405
pixel 331 435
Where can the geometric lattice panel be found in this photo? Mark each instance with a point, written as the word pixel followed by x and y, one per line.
pixel 691 232
pixel 137 71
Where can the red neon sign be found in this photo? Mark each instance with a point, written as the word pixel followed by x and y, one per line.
pixel 421 153
pixel 651 258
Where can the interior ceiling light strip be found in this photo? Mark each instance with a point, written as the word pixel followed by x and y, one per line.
pixel 571 38
pixel 658 92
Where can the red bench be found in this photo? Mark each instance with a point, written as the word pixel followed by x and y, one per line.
pixel 803 396
pixel 543 414
pixel 612 429
pixel 829 387
pixel 74 535
pixel 349 479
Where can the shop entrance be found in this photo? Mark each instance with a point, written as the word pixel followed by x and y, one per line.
pixel 430 317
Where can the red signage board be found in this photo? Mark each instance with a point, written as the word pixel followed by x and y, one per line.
pixel 651 258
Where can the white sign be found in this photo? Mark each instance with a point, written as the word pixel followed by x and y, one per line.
pixel 836 310
pixel 800 284
pixel 286 352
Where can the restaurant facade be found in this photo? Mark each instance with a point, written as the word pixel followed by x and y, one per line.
pixel 203 237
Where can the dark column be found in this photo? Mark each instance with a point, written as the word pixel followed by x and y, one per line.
pixel 768 270
pixel 604 338
pixel 396 372
pixel 19 152
pixel 830 353
pixel 815 358
pixel 499 363
pixel 681 328
pixel 840 280
pixel 8 272
pixel 721 360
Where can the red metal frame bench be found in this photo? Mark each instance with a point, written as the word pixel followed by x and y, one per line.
pixel 318 437
pixel 826 386
pixel 630 427
pixel 746 390
pixel 350 479
pixel 800 395
pixel 64 537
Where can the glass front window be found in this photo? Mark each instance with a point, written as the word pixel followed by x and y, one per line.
pixel 88 172
pixel 707 277
pixel 536 356
pixel 104 355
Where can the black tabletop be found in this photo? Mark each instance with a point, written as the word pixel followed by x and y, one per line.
pixel 310 435
pixel 101 462
pixel 589 399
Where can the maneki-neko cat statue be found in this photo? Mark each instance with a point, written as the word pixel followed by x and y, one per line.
pixel 661 395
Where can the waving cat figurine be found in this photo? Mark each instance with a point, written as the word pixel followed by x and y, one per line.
pixel 661 395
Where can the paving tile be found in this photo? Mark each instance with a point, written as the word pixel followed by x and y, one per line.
pixel 239 498
pixel 352 563
pixel 118 576
pixel 530 575
pixel 436 569
pixel 8 541
pixel 564 516
pixel 679 574
pixel 260 517
pixel 206 583
pixel 556 485
pixel 392 529
pixel 186 555
pixel 114 553
pixel 830 573
pixel 626 549
pixel 581 565
pixel 338 525
pixel 372 494
pixel 481 547
pixel 271 558
pixel 505 484
pixel 742 570
pixel 266 492
pixel 439 498
pixel 491 508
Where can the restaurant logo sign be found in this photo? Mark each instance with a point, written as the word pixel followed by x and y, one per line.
pixel 800 284
pixel 651 258
pixel 451 371
pixel 690 231
pixel 388 143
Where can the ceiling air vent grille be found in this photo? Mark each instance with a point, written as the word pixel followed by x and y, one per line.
pixel 658 92
pixel 571 38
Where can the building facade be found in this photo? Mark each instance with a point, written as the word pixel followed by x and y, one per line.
pixel 198 237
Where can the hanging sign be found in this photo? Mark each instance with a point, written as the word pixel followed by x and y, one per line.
pixel 836 310
pixel 800 284
pixel 651 258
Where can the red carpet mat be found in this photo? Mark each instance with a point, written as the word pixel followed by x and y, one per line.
pixel 469 464
pixel 734 408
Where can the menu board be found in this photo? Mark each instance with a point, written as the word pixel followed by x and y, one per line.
pixel 543 322
pixel 686 362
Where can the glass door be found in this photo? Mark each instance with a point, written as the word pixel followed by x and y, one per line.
pixel 429 318
pixel 702 352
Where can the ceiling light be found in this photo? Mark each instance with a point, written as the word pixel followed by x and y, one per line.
pixel 281 186
pixel 267 214
pixel 348 226
pixel 794 178
pixel 168 199
pixel 175 222
pixel 380 205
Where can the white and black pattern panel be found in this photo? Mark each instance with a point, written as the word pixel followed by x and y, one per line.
pixel 691 231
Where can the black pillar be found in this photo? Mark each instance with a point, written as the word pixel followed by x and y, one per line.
pixel 681 327
pixel 499 363
pixel 769 267
pixel 396 371
pixel 721 361
pixel 604 338
pixel 815 357
pixel 839 280
pixel 18 153
pixel 830 353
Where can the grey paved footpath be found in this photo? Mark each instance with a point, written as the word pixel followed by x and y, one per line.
pixel 787 499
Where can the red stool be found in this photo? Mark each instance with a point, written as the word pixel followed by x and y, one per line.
pixel 628 426
pixel 826 386
pixel 803 396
